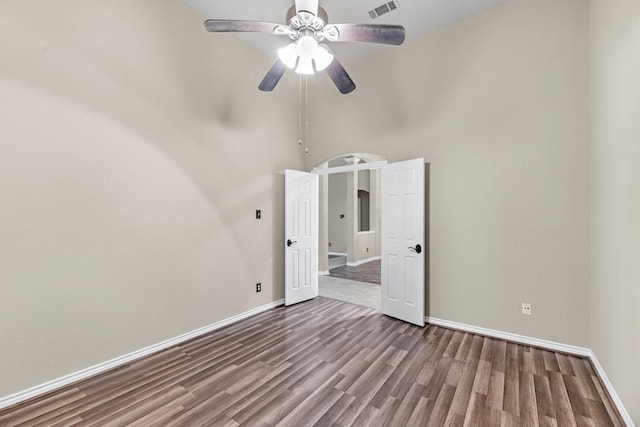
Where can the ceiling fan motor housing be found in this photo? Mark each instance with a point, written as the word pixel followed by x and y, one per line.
pixel 322 14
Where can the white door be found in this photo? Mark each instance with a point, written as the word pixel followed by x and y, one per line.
pixel 301 237
pixel 403 244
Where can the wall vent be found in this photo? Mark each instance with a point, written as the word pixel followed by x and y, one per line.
pixel 383 8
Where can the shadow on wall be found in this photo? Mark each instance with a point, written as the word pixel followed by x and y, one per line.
pixel 277 226
pixel 132 68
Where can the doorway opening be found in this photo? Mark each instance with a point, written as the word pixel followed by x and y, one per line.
pixel 350 217
pixel 403 246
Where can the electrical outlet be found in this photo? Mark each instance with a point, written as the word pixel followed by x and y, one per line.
pixel 258 214
pixel 526 309
pixel 258 287
pixel 367 249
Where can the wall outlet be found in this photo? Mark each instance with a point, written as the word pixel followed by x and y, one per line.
pixel 258 287
pixel 258 214
pixel 526 308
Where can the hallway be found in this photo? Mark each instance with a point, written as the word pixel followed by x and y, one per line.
pixel 357 285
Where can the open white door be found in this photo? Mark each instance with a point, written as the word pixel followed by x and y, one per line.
pixel 402 273
pixel 301 237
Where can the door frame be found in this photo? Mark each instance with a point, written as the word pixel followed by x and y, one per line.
pixel 375 162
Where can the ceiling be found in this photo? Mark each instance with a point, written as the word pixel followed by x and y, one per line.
pixel 417 16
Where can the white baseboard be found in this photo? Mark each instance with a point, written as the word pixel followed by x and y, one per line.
pixel 362 261
pixel 323 273
pixel 626 417
pixel 337 253
pixel 127 358
pixel 550 345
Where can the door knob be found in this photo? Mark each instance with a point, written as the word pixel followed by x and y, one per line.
pixel 289 242
pixel 418 248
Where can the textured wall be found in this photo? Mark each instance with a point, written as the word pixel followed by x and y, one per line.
pixel 133 155
pixel 498 104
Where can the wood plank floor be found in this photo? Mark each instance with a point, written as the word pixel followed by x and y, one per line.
pixel 330 363
pixel 368 272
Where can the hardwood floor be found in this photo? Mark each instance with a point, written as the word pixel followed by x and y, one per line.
pixel 368 272
pixel 326 362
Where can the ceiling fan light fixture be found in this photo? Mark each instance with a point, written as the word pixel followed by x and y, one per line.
pixel 289 55
pixel 306 56
pixel 323 57
pixel 305 66
pixel 307 46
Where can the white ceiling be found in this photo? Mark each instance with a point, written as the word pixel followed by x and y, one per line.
pixel 417 16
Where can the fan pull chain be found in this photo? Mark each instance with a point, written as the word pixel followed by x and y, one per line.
pixel 300 109
pixel 306 114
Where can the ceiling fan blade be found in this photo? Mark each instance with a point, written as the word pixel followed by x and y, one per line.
pixel 273 76
pixel 369 33
pixel 233 26
pixel 310 6
pixel 340 77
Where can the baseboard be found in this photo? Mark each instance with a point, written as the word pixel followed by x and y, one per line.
pixel 362 261
pixel 337 253
pixel 324 273
pixel 127 358
pixel 626 417
pixel 521 339
pixel 550 345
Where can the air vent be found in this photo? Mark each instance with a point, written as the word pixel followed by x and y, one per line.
pixel 383 8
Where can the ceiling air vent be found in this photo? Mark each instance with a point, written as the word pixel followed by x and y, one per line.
pixel 382 9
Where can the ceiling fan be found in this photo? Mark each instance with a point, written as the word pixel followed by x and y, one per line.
pixel 307 27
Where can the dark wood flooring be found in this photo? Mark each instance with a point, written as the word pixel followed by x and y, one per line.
pixel 330 363
pixel 368 272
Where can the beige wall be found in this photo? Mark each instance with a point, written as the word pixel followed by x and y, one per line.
pixel 337 207
pixel 615 197
pixel 498 105
pixel 133 155
pixel 365 245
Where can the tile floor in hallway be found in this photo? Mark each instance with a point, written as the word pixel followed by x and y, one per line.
pixel 361 293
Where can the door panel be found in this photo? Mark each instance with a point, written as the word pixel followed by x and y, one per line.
pixel 402 272
pixel 301 236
